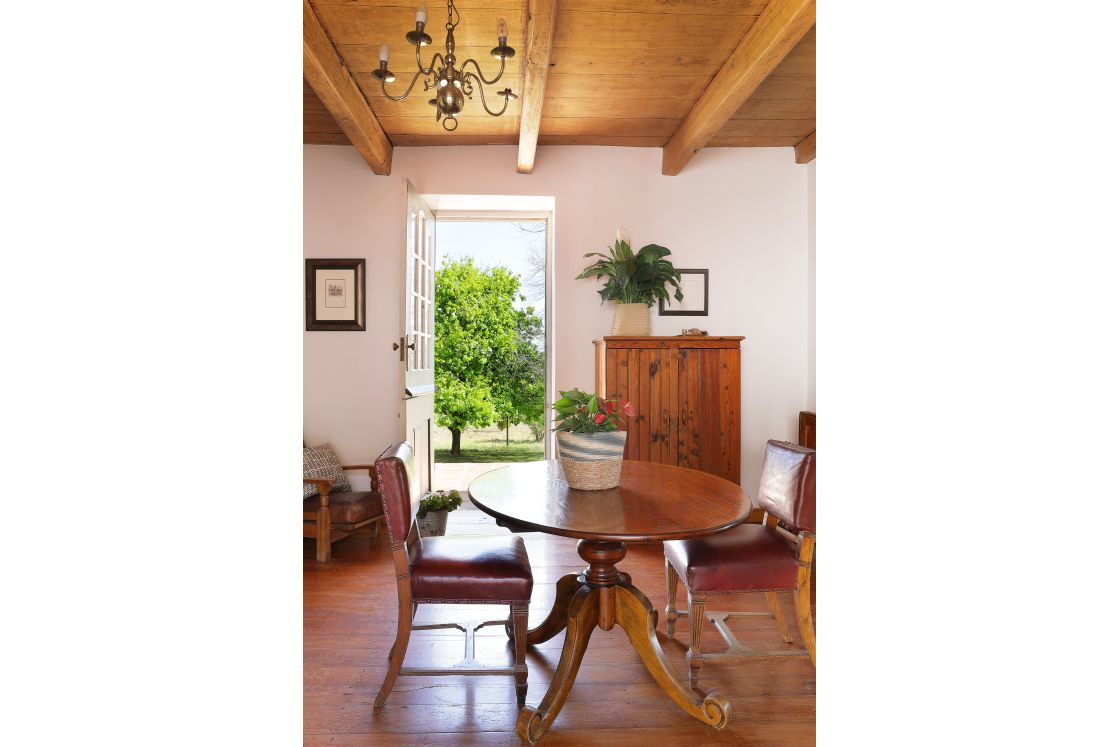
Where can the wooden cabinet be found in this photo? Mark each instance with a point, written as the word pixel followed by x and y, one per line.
pixel 686 393
pixel 807 429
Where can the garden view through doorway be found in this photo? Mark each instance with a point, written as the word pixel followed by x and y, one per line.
pixel 490 346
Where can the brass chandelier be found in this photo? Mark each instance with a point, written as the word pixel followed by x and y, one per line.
pixel 452 81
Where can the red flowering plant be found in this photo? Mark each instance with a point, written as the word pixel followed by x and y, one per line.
pixel 580 412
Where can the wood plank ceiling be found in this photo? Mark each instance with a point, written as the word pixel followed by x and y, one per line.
pixel 620 72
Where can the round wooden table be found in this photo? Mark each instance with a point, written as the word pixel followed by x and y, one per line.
pixel 653 502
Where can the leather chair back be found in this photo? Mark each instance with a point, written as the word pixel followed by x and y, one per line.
pixel 788 488
pixel 400 489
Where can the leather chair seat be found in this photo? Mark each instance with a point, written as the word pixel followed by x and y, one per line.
pixel 748 557
pixel 348 508
pixel 486 570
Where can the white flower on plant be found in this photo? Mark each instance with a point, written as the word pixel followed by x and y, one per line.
pixel 621 235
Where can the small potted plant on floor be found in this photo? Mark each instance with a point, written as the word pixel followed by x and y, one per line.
pixel 431 517
pixel 588 439
pixel 633 282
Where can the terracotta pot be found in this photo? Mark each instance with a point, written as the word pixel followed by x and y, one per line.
pixel 434 524
pixel 591 461
pixel 630 319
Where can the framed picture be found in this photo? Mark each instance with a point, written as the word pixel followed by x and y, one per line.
pixel 694 286
pixel 336 294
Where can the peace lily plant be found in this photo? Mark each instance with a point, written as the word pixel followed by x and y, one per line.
pixel 634 281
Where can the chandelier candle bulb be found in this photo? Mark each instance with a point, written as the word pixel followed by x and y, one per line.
pixel 384 56
pixel 503 33
pixel 422 14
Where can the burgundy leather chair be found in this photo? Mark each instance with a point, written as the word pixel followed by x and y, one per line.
pixel 771 556
pixel 449 570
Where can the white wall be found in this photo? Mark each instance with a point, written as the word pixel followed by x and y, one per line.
pixel 741 212
pixel 811 397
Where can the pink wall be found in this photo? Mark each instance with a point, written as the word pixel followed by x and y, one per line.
pixel 811 397
pixel 741 212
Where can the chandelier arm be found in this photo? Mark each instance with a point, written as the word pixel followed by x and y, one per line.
pixel 480 76
pixel 428 70
pixel 407 91
pixel 482 94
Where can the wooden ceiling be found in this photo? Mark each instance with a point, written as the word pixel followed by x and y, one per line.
pixel 676 74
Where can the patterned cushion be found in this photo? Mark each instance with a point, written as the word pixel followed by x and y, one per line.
pixel 321 461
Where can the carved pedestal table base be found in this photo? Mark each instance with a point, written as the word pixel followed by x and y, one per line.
pixel 603 596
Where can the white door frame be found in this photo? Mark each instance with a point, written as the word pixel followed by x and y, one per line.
pixel 549 291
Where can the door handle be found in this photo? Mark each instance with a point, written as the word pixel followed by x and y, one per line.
pixel 397 346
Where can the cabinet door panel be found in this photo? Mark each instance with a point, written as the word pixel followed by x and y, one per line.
pixel 620 389
pixel 656 409
pixel 702 456
pixel 689 404
pixel 708 411
pixel 729 400
pixel 634 394
pixel 644 404
pixel 672 405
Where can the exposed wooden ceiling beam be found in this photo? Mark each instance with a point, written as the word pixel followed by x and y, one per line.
pixel 806 150
pixel 769 40
pixel 538 50
pixel 331 81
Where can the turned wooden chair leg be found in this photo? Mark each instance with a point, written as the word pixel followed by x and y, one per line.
pixel 804 611
pixel 776 611
pixel 323 535
pixel 405 612
pixel 671 580
pixel 696 603
pixel 520 613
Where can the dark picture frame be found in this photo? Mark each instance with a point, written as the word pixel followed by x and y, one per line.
pixel 691 310
pixel 335 295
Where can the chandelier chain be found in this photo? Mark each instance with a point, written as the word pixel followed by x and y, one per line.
pixel 451 9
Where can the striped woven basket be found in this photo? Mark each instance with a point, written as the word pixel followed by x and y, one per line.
pixel 592 461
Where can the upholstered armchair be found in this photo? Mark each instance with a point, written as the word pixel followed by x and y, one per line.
pixel 329 517
pixel 771 552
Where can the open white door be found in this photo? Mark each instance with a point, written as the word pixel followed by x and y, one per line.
pixel 416 346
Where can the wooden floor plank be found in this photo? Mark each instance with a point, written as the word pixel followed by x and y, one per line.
pixel 349 619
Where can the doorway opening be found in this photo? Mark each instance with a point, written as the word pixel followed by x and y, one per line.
pixel 492 341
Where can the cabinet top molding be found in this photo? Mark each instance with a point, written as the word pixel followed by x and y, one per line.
pixel 672 341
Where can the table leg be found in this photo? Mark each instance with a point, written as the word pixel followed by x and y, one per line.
pixel 582 615
pixel 638 618
pixel 557 618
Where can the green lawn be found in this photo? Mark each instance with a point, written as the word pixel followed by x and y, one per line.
pixel 489 445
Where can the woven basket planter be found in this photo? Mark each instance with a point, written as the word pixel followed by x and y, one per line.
pixel 434 524
pixel 591 461
pixel 630 319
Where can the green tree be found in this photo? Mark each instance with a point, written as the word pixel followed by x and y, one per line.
pixel 476 324
pixel 518 389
